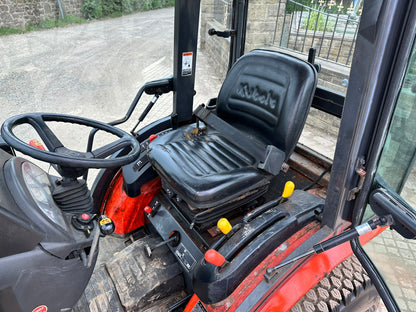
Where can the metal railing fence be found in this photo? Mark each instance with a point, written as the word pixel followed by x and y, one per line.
pixel 302 26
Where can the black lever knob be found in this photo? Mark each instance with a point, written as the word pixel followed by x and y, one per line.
pixel 311 59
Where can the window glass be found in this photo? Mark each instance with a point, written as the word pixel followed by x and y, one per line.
pixel 394 256
pixel 213 51
pixel 92 67
pixel 397 164
pixel 293 27
pixel 215 14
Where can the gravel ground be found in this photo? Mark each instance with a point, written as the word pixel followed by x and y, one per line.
pixel 92 69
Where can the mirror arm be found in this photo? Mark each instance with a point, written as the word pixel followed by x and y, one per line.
pixel 404 217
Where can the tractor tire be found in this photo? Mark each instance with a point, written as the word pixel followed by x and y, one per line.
pixel 346 289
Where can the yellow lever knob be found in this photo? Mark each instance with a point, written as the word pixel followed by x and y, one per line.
pixel 288 190
pixel 224 225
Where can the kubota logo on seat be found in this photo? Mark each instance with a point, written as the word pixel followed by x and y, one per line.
pixel 257 95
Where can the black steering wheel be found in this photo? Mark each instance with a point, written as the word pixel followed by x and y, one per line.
pixel 58 154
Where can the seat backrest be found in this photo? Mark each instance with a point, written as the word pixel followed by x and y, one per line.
pixel 268 94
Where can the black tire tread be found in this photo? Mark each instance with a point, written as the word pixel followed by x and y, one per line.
pixel 336 291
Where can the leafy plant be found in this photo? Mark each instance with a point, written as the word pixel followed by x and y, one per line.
pixel 70 19
pixel 92 9
pixel 100 8
pixel 318 21
pixel 157 4
pixel 110 6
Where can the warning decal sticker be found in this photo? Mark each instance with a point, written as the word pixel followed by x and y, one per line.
pixel 187 63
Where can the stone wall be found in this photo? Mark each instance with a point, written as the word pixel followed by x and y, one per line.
pixel 21 13
pixel 216 48
pixel 261 23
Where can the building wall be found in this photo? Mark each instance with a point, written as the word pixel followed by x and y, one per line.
pixel 21 13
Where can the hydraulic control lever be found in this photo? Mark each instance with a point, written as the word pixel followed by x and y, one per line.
pixel 311 59
pixel 174 239
pixel 106 227
pixel 287 192
pixel 225 227
pixel 333 242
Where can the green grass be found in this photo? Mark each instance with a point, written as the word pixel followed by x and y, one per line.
pixel 45 24
pixel 10 31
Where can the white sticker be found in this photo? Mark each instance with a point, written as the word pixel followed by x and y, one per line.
pixel 187 63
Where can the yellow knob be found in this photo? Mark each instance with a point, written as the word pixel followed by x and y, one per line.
pixel 224 226
pixel 288 190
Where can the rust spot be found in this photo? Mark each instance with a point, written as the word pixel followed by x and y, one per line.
pixel 188 136
pixel 214 231
pixel 195 131
pixel 320 192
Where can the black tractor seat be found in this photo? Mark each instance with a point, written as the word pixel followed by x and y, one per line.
pixel 230 156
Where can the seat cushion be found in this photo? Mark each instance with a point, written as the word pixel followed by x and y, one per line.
pixel 206 171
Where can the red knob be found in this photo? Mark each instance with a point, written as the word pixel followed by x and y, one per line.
pixel 152 137
pixel 148 209
pixel 85 217
pixel 214 257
